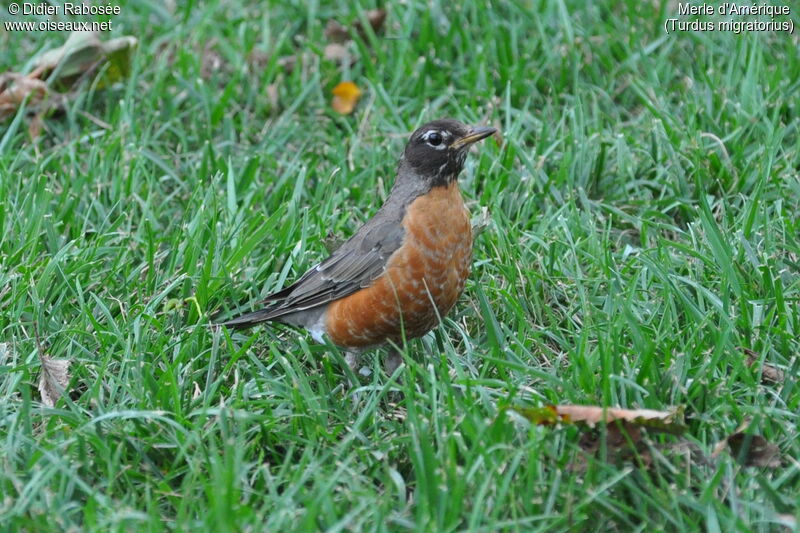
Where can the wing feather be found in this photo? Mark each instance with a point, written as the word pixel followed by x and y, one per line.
pixel 355 265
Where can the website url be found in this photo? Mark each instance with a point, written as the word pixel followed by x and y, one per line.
pixel 52 25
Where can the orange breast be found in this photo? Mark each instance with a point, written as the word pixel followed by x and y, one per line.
pixel 422 281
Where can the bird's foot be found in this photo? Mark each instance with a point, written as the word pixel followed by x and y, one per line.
pixel 392 361
pixel 353 360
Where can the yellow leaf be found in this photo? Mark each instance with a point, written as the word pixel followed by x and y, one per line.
pixel 345 97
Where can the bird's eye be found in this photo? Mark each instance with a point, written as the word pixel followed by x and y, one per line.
pixel 434 138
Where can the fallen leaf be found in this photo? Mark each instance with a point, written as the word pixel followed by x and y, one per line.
pixel 769 373
pixel 750 450
pixel 754 450
pixel 53 380
pixel 376 18
pixel 54 377
pixel 621 441
pixel 620 437
pixel 665 421
pixel 35 126
pixel 336 33
pixel 288 63
pixel 82 53
pixel 345 97
pixel 16 89
pixel 335 52
pixel 56 72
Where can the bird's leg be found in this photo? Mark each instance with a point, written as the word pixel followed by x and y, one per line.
pixel 392 362
pixel 353 360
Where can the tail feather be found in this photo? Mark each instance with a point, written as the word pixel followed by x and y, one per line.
pixel 250 319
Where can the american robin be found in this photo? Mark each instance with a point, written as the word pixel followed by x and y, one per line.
pixel 401 271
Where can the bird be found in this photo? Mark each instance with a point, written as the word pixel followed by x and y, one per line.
pixel 403 270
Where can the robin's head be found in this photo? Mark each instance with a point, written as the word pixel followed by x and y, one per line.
pixel 437 150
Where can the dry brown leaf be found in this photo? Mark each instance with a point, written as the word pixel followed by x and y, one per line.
pixel 53 380
pixel 754 450
pixel 626 442
pixel 622 435
pixel 35 126
pixel 54 377
pixel 15 89
pixel 619 442
pixel 769 373
pixel 590 415
pixel 345 97
pixel 336 33
pixel 335 52
pixel 750 450
pixel 376 18
pixel 617 435
pixel 288 63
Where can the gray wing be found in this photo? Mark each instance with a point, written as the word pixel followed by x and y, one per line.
pixel 355 265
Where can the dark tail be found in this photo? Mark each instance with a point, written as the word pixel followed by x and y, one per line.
pixel 272 311
pixel 250 319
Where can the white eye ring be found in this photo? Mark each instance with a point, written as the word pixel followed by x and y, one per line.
pixel 436 139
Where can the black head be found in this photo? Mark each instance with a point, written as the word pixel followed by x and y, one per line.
pixel 437 150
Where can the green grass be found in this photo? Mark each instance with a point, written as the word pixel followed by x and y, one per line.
pixel 644 231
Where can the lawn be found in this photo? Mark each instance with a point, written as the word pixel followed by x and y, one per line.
pixel 643 239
